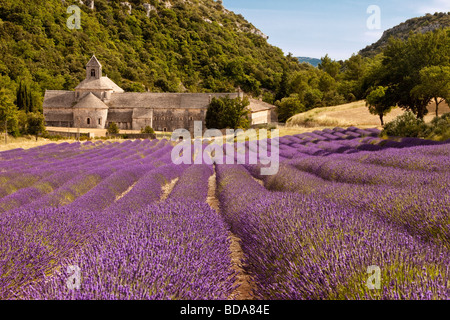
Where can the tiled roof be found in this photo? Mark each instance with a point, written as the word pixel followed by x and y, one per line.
pixel 257 105
pixel 104 83
pixel 163 100
pixel 94 62
pixel 59 99
pixel 91 101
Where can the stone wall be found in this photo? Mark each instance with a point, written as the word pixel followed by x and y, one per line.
pixel 90 118
pixel 172 119
pixel 261 117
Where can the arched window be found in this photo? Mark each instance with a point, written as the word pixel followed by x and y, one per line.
pixel 93 73
pixel 88 120
pixel 165 129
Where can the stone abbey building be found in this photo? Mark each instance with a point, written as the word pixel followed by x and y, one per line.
pixel 98 101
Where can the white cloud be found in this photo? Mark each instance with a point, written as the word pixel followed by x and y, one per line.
pixel 435 6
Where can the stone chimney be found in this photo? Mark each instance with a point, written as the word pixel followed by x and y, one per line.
pixel 240 93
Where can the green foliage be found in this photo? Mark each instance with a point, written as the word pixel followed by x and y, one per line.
pixel 147 129
pixel 330 67
pixel 406 125
pixel 228 113
pixel 434 82
pixel 377 103
pixel 8 114
pixel 113 128
pixel 172 50
pixel 439 128
pixel 289 107
pixel 27 99
pixel 409 67
pixel 35 124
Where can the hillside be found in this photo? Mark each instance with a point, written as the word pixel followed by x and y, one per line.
pixel 313 61
pixel 421 24
pixel 352 114
pixel 160 46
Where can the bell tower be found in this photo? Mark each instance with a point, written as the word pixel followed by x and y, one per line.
pixel 93 69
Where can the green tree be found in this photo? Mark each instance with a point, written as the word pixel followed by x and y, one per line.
pixel 283 87
pixel 434 82
pixel 36 124
pixel 8 113
pixel 377 104
pixel 327 83
pixel 113 128
pixel 402 63
pixel 26 99
pixel 330 66
pixel 148 129
pixel 289 107
pixel 227 113
pixel 406 125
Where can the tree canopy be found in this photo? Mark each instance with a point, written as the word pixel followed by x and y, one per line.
pixel 229 113
pixel 402 65
pixel 376 101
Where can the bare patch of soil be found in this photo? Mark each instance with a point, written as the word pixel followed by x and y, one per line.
pixel 124 193
pixel 167 189
pixel 243 280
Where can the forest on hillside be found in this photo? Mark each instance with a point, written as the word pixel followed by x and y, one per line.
pixel 195 46
pixel 188 47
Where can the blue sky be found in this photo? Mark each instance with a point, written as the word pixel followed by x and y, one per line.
pixel 313 28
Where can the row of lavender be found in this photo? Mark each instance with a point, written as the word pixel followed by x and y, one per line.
pixel 308 246
pixel 36 236
pixel 312 240
pixel 127 244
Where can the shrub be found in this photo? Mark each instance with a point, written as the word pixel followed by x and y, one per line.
pixel 406 125
pixel 113 128
pixel 148 129
pixel 439 128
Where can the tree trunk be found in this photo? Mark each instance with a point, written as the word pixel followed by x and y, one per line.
pixel 381 119
pixel 420 112
pixel 437 106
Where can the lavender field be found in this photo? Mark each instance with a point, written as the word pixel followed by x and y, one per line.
pixel 139 226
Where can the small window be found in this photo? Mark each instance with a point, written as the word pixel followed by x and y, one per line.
pixel 99 121
pixel 191 118
pixel 88 120
pixel 165 129
pixel 93 73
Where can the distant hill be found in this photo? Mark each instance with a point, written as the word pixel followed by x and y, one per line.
pixel 155 45
pixel 423 24
pixel 313 61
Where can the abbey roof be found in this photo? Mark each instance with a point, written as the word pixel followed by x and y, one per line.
pixel 94 62
pixel 104 83
pixel 90 101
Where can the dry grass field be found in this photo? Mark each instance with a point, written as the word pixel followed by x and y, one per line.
pixel 351 114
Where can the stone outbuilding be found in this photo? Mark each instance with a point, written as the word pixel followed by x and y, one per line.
pixel 97 101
